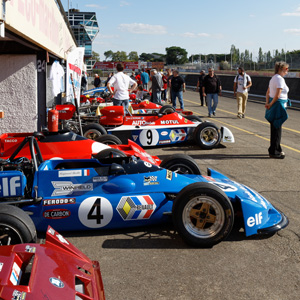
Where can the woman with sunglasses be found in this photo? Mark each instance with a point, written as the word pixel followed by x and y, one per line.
pixel 276 103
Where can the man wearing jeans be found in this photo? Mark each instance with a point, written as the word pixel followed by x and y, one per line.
pixel 211 89
pixel 177 89
pixel 121 83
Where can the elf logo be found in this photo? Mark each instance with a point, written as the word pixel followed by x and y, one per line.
pixel 256 220
pixel 9 186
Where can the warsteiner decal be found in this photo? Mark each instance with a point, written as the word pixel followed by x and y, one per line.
pixel 136 207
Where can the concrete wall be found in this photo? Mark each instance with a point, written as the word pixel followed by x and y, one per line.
pixel 18 93
pixel 259 84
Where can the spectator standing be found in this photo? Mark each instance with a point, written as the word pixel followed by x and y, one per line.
pixel 200 85
pixel 211 89
pixel 177 89
pixel 97 81
pixel 157 85
pixel 145 79
pixel 138 79
pixel 110 75
pixel 121 83
pixel 169 76
pixel 132 76
pixel 83 82
pixel 276 103
pixel 242 83
pixel 165 86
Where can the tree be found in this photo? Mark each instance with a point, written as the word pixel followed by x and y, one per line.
pixel 133 56
pixel 108 54
pixel 176 56
pixel 260 55
pixel 95 56
pixel 119 56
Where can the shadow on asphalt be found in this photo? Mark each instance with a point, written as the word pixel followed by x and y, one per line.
pixel 161 236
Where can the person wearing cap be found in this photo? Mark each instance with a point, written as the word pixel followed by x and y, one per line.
pixel 242 83
pixel 97 81
pixel 200 85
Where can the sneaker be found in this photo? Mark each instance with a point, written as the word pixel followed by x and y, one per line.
pixel 209 115
pixel 278 156
pixel 243 116
pixel 214 113
pixel 239 116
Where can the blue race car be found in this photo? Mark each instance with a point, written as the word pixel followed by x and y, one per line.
pixel 119 192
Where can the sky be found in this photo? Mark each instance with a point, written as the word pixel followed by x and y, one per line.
pixel 200 27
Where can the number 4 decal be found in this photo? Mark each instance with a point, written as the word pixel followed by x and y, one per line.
pixel 95 212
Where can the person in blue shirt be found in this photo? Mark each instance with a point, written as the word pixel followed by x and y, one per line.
pixel 145 79
pixel 276 103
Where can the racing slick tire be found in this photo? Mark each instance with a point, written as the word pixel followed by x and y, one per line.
pixel 16 227
pixel 194 118
pixel 93 131
pixel 207 135
pixel 181 164
pixel 109 139
pixel 202 214
pixel 167 109
pixel 109 153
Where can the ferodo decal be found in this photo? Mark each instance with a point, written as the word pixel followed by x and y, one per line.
pixel 225 186
pixel 62 188
pixel 95 212
pixel 136 207
pixel 61 201
pixel 56 214
pixel 149 137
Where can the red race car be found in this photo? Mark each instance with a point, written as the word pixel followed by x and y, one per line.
pixel 69 145
pixel 54 270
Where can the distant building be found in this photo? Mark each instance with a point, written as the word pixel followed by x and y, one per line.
pixel 85 28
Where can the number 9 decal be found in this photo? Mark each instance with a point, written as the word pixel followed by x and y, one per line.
pixel 95 212
pixel 149 137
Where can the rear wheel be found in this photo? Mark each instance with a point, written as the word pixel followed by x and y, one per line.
pixel 109 153
pixel 16 227
pixel 93 131
pixel 167 109
pixel 181 164
pixel 203 214
pixel 207 135
pixel 109 139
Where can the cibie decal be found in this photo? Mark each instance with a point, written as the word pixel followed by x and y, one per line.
pixel 56 282
pixel 56 214
pixel 136 207
pixel 68 187
pixel 95 212
pixel 225 186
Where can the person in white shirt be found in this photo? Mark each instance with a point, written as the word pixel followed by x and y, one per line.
pixel 276 102
pixel 242 82
pixel 123 85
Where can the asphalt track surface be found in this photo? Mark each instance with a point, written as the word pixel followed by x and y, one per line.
pixel 154 263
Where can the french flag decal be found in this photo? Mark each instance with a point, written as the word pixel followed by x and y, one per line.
pixel 86 172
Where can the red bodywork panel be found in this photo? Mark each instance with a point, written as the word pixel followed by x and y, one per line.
pixel 54 270
pixel 71 149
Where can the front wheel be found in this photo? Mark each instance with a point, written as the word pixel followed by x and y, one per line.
pixel 93 131
pixel 109 139
pixel 109 153
pixel 16 227
pixel 207 135
pixel 167 109
pixel 181 164
pixel 202 214
pixel 194 119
